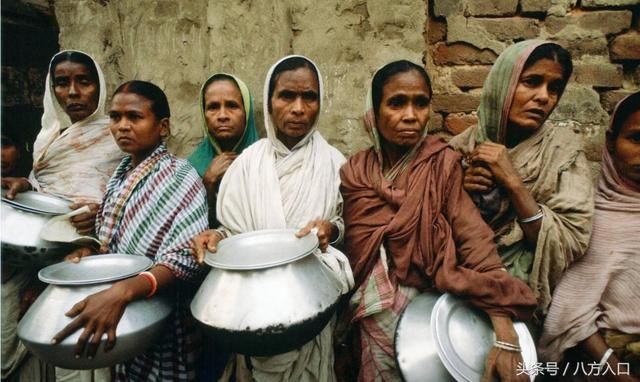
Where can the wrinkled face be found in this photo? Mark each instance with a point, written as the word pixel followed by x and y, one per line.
pixel 536 94
pixel 404 109
pixel 224 110
pixel 75 89
pixel 625 150
pixel 9 158
pixel 295 104
pixel 135 127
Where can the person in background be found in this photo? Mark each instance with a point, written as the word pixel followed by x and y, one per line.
pixel 531 180
pixel 595 312
pixel 10 157
pixel 229 128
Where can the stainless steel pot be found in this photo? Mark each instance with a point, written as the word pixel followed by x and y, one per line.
pixel 21 226
pixel 141 323
pixel 266 293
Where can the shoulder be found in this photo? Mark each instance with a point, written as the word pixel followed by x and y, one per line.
pixel 180 169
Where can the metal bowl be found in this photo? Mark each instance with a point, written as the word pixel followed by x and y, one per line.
pixel 269 303
pixel 22 220
pixel 416 353
pixel 142 321
pixel 464 335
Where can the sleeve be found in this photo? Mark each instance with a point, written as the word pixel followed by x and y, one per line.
pixel 191 218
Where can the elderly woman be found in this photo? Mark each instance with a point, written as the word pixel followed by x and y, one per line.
pixel 288 180
pixel 411 227
pixel 74 155
pixel 595 313
pixel 530 180
pixel 229 128
pixel 153 186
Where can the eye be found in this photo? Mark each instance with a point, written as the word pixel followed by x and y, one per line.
pixel 61 81
pixel 287 95
pixel 532 81
pixel 213 106
pixel 555 87
pixel 114 117
pixel 422 102
pixel 310 96
pixel 396 101
pixel 232 105
pixel 635 138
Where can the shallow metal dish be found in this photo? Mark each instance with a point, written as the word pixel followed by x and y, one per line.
pixel 261 249
pixel 141 324
pixel 416 351
pixel 464 335
pixel 95 269
pixel 40 202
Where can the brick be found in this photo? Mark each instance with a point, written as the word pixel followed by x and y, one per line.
pixel 462 54
pixel 456 123
pixel 535 6
pixel 510 28
pixel 468 30
pixel 455 103
pixel 626 47
pixel 448 7
pixel 492 7
pixel 611 98
pixel 599 75
pixel 607 22
pixel 470 77
pixel 436 30
pixel 607 3
pixel 594 46
pixel 436 122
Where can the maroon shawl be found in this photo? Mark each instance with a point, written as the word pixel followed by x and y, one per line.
pixel 432 231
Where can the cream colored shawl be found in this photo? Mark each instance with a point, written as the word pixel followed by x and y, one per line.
pixel 269 186
pixel 552 165
pixel 74 160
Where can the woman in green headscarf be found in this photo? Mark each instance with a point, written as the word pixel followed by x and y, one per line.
pixel 229 127
pixel 530 180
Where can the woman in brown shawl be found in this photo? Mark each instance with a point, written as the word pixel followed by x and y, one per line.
pixel 411 227
pixel 595 313
pixel 530 180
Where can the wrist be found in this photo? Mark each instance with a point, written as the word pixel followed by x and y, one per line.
pixel 125 293
pixel 513 184
pixel 503 327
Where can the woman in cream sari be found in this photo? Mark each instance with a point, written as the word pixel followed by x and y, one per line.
pixel 530 180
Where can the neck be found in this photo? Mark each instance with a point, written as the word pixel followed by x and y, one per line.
pixel 289 142
pixel 392 154
pixel 228 145
pixel 515 135
pixel 139 157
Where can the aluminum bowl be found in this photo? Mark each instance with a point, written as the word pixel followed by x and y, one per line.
pixel 22 220
pixel 267 300
pixel 142 321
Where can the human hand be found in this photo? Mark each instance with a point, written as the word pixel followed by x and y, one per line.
pixel 78 254
pixel 217 168
pixel 505 364
pixel 478 179
pixel 208 239
pixel 85 222
pixel 98 314
pixel 496 158
pixel 325 231
pixel 14 186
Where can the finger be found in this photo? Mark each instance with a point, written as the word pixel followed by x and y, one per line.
pixel 86 335
pixel 490 367
pixel 472 187
pixel 305 231
pixel 481 171
pixel 324 244
pixel 76 309
pixel 67 331
pixel 212 242
pixel 92 346
pixel 196 245
pixel 75 206
pixel 479 180
pixel 111 340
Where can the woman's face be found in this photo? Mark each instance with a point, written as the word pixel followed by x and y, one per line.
pixel 76 90
pixel 625 149
pixel 224 110
pixel 135 127
pixel 404 109
pixel 536 95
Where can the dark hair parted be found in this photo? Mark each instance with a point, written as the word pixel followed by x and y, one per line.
pixel 159 102
pixel 216 78
pixel 626 107
pixel 291 63
pixel 76 57
pixel 554 52
pixel 383 76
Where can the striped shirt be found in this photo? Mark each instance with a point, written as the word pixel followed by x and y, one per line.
pixel 154 210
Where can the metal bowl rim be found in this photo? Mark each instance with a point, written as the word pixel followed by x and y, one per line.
pixel 43 273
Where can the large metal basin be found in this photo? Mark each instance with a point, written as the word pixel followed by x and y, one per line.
pixel 270 310
pixel 141 323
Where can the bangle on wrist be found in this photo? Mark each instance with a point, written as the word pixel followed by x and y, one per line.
pixel 532 218
pixel 507 346
pixel 151 278
pixel 605 358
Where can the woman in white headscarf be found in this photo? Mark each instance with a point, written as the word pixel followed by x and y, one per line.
pixel 288 180
pixel 74 156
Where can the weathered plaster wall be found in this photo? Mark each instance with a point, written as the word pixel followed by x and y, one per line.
pixel 178 44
